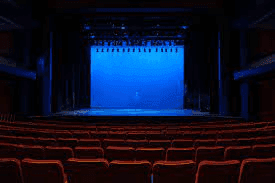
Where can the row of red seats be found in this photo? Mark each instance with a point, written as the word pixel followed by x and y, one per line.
pixel 99 170
pixel 153 135
pixel 180 143
pixel 111 153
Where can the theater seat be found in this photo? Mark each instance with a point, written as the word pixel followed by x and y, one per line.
pixel 58 153
pixel 46 142
pixel 8 139
pixel 10 171
pixel 32 152
pixel 67 142
pixel 218 172
pixel 87 170
pixel 137 143
pixel 25 140
pixel 113 142
pixel 257 171
pixel 81 134
pixel 246 141
pixel 227 142
pixel 174 171
pixel 206 143
pixel 209 153
pixel 117 135
pixel 156 135
pixel 263 151
pixel 8 150
pixel 62 134
pixel 265 140
pixel 129 172
pixel 160 143
pixel 119 153
pixel 180 143
pixel 237 153
pixel 43 171
pixel 89 142
pixel 150 154
pixel 89 152
pixel 179 154
pixel 136 135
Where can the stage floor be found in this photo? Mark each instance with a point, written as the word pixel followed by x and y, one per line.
pixel 132 112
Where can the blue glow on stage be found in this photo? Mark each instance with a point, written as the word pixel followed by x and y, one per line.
pixel 137 77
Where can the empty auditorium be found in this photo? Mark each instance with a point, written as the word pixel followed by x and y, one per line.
pixel 137 91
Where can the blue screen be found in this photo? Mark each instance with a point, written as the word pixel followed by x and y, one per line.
pixel 140 80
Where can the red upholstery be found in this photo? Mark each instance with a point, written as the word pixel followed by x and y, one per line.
pixel 8 139
pixel 209 153
pixel 137 143
pixel 89 142
pixel 179 143
pixel 237 153
pixel 8 150
pixel 33 152
pixel 87 170
pixel 46 142
pixel 113 142
pixel 174 171
pixel 81 134
pixel 257 170
pixel 117 135
pixel 217 172
pixel 160 143
pixel 25 140
pixel 43 171
pixel 67 142
pixel 207 143
pixel 89 152
pixel 263 151
pixel 58 153
pixel 136 135
pixel 129 171
pixel 265 140
pixel 227 142
pixel 10 171
pixel 178 154
pixel 62 134
pixel 246 141
pixel 150 154
pixel 119 153
pixel 155 135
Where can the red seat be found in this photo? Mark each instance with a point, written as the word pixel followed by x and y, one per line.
pixel 26 140
pixel 206 143
pixel 8 150
pixel 10 171
pixel 237 153
pixel 62 134
pixel 137 143
pixel 43 133
pixel 263 151
pixel 208 135
pixel 246 141
pixel 257 170
pixel 81 134
pixel 174 171
pixel 58 153
pixel 136 135
pixel 209 153
pixel 225 134
pixel 265 140
pixel 129 171
pixel 8 139
pixel 46 142
pixel 89 152
pixel 179 154
pixel 67 142
pixel 117 135
pixel 192 135
pixel 100 135
pixel 217 172
pixel 87 170
pixel 182 143
pixel 33 152
pixel 43 171
pixel 89 142
pixel 160 143
pixel 119 153
pixel 150 154
pixel 155 135
pixel 113 142
pixel 227 142
pixel 174 134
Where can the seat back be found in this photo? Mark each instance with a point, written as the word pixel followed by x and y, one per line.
pixel 174 171
pixel 263 151
pixel 150 154
pixel 129 171
pixel 209 153
pixel 179 154
pixel 10 171
pixel 180 143
pixel 257 170
pixel 89 142
pixel 113 142
pixel 217 172
pixel 43 171
pixel 160 143
pixel 58 153
pixel 237 153
pixel 206 143
pixel 89 152
pixel 32 152
pixel 8 150
pixel 119 153
pixel 67 142
pixel 87 170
